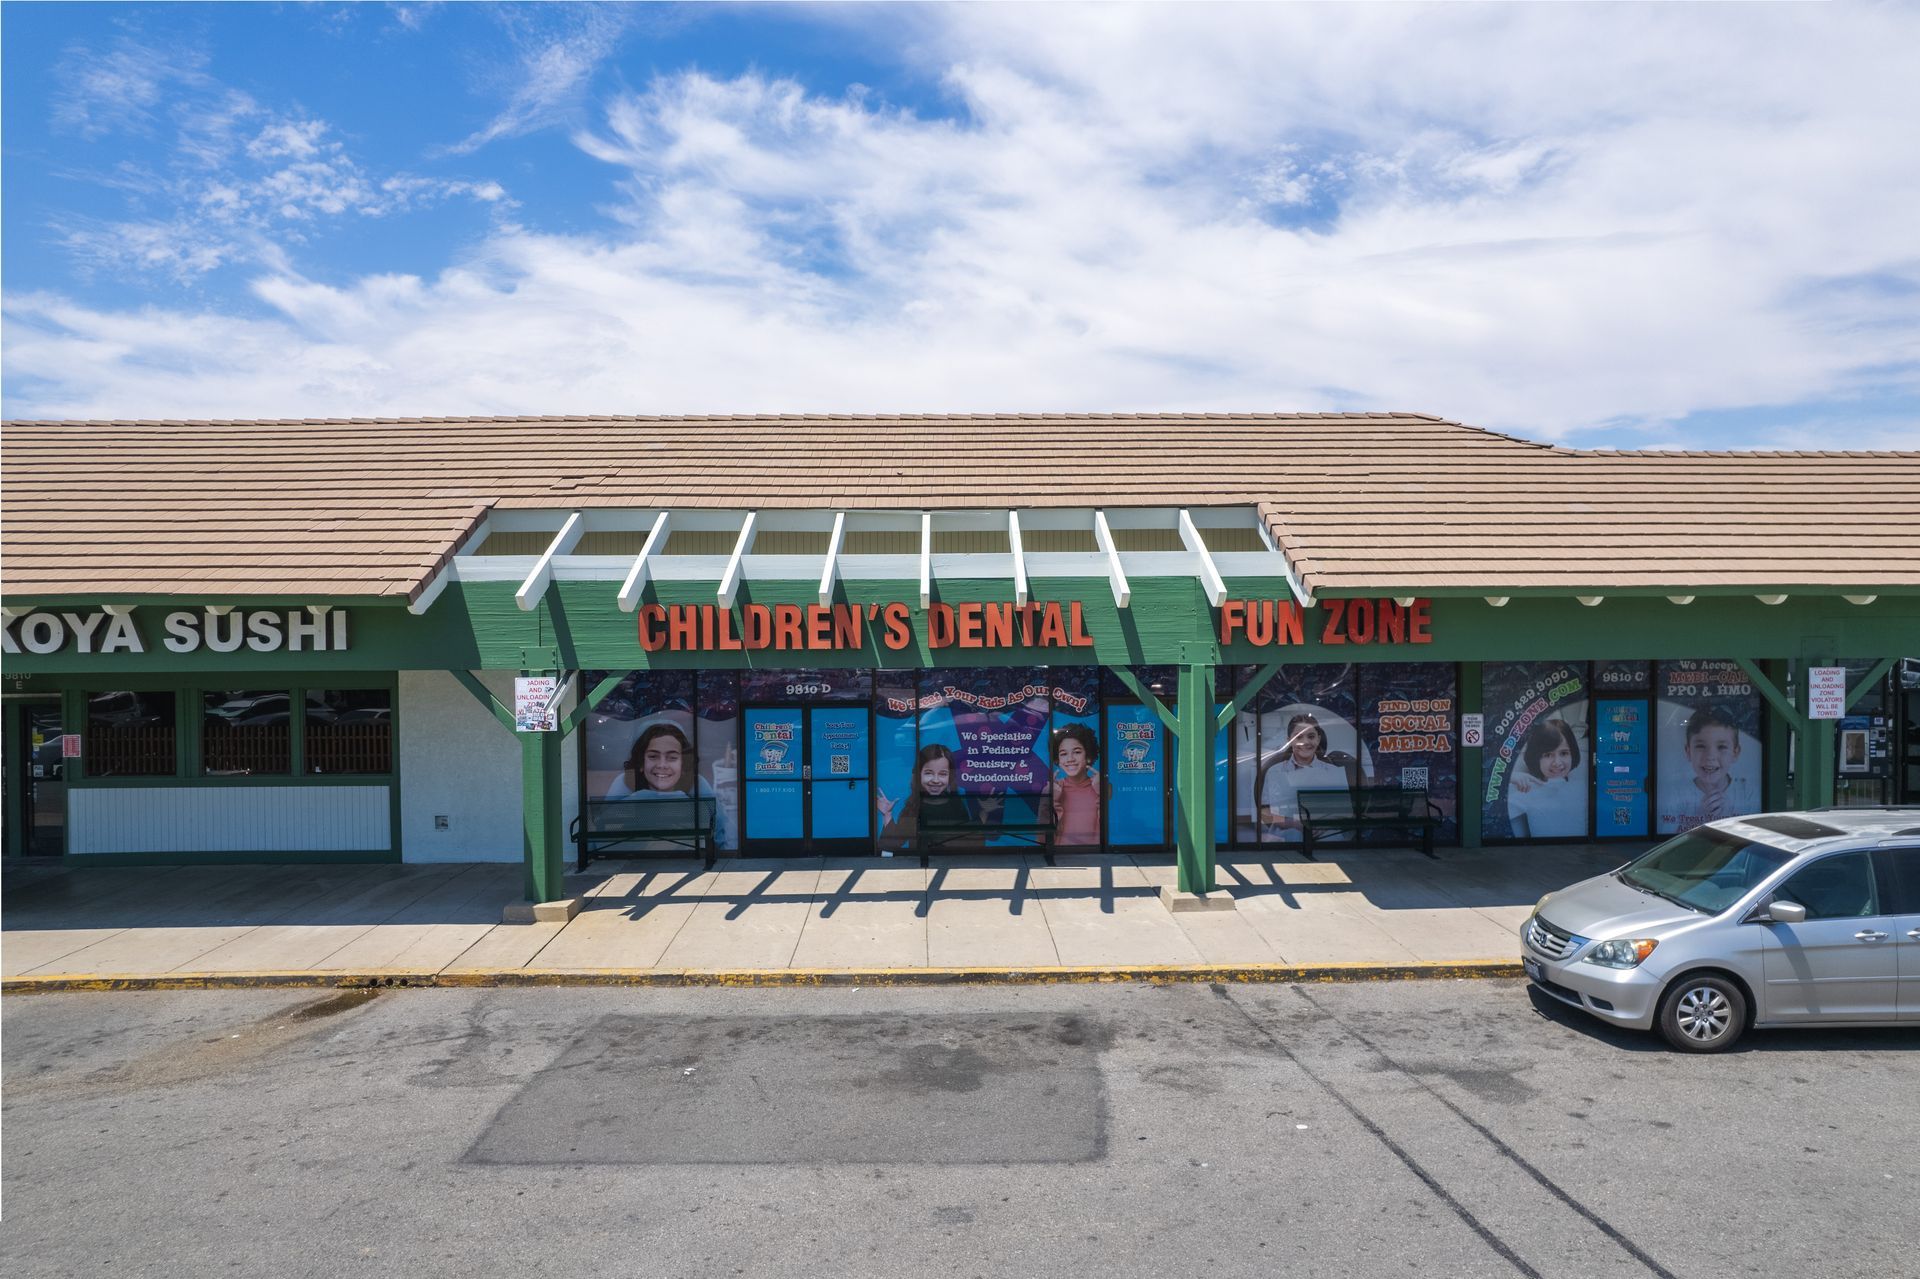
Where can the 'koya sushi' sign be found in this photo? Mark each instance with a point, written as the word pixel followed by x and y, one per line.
pixel 297 630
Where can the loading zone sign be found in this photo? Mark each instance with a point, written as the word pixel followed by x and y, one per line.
pixel 535 698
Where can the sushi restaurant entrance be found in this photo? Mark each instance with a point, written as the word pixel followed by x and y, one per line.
pixel 807 784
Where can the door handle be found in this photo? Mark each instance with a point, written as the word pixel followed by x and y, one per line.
pixel 1914 934
pixel 1869 934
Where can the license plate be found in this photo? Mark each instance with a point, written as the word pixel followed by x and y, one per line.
pixel 1534 969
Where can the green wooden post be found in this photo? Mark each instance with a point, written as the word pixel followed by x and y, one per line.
pixel 544 854
pixel 1193 785
pixel 1815 758
pixel 1470 763
pixel 1774 791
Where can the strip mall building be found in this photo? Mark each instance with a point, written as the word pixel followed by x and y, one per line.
pixel 300 641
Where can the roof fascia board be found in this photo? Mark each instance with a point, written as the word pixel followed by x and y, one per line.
pixel 421 598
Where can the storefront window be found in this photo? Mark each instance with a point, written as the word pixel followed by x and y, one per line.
pixel 651 737
pixel 1300 733
pixel 1407 728
pixel 1863 741
pixel 130 735
pixel 1535 773
pixel 1708 741
pixel 349 730
pixel 246 732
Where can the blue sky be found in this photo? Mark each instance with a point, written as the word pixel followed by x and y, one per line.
pixel 1610 226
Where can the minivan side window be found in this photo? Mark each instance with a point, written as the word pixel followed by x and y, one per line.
pixel 1903 880
pixel 1837 887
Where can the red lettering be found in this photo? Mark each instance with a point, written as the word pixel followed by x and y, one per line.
pixel 1393 623
pixel 759 626
pixel 1360 621
pixel 652 628
pixel 940 626
pixel 1293 622
pixel 728 641
pixel 786 627
pixel 1233 617
pixel 898 634
pixel 1260 623
pixel 997 631
pixel 1026 612
pixel 846 626
pixel 1332 633
pixel 1053 631
pixel 819 626
pixel 683 628
pixel 1420 622
pixel 1077 635
pixel 967 624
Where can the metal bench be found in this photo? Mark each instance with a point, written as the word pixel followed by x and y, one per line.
pixel 609 824
pixel 935 834
pixel 1364 808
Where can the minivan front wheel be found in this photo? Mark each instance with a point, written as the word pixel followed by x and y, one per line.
pixel 1703 1014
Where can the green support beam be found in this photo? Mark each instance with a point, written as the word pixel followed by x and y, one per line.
pixel 1148 697
pixel 1248 691
pixel 543 843
pixel 1193 795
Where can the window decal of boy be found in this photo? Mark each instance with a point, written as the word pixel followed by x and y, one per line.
pixel 1713 748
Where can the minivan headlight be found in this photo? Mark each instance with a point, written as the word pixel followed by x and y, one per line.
pixel 1623 953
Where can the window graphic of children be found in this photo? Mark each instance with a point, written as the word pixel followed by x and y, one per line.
pixel 1073 801
pixel 1545 799
pixel 662 766
pixel 931 795
pixel 1713 748
pixel 1306 767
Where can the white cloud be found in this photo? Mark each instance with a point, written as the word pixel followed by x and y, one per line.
pixel 1543 219
pixel 558 48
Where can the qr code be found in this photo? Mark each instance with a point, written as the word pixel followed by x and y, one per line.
pixel 1413 779
pixel 840 765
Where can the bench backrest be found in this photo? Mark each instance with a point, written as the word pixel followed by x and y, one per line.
pixel 669 814
pixel 1387 803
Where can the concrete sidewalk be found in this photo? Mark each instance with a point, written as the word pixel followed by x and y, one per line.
pixel 1358 912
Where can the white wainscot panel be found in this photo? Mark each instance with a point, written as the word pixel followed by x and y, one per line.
pixel 229 819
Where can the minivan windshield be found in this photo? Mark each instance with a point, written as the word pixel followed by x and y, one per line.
pixel 1705 869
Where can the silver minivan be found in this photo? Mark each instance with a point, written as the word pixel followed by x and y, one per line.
pixel 1777 919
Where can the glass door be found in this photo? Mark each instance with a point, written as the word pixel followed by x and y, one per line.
pixel 774 791
pixel 839 773
pixel 36 780
pixel 1621 769
pixel 808 778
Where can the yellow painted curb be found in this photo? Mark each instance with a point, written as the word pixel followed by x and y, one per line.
pixel 474 978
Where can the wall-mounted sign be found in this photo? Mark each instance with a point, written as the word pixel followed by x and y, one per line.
pixel 1473 728
pixel 1827 692
pixel 708 628
pixel 534 700
pixel 258 630
pixel 1276 622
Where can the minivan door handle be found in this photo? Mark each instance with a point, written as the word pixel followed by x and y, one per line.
pixel 1869 935
pixel 1914 934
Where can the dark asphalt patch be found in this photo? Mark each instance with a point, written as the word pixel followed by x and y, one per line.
pixel 943 1089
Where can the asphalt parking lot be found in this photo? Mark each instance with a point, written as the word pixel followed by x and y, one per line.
pixel 1453 1128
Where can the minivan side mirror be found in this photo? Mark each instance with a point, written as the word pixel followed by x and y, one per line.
pixel 1787 913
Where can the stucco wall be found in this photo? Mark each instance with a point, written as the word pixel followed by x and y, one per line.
pixel 458 761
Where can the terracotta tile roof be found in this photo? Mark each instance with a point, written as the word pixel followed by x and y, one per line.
pixel 1387 502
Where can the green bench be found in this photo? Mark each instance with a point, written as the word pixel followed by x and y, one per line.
pixel 1364 808
pixel 607 825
